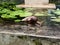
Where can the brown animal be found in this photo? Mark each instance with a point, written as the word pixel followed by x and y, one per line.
pixel 32 20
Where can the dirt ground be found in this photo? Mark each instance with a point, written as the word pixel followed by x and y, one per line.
pixel 44 30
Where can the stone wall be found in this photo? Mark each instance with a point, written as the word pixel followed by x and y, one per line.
pixel 7 39
pixel 36 2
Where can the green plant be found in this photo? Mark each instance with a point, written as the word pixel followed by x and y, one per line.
pixel 55 18
pixel 9 11
pixel 17 20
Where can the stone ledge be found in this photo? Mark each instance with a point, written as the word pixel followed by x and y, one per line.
pixel 32 35
pixel 48 6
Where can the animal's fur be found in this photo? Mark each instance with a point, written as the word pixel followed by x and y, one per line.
pixel 32 20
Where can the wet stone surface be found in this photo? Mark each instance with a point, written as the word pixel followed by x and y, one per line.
pixel 37 30
pixel 7 39
pixel 12 39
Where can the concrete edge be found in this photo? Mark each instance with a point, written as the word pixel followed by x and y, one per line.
pixel 33 35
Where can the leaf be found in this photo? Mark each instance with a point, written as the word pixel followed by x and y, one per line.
pixel 8 16
pixel 57 12
pixel 4 16
pixel 5 11
pixel 53 17
pixel 11 16
pixel 41 14
pixel 56 20
pixel 17 20
pixel 25 14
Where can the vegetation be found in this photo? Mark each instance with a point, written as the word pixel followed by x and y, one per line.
pixel 55 18
pixel 10 12
pixel 57 2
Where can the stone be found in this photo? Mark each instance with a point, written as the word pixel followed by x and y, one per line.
pixel 36 2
